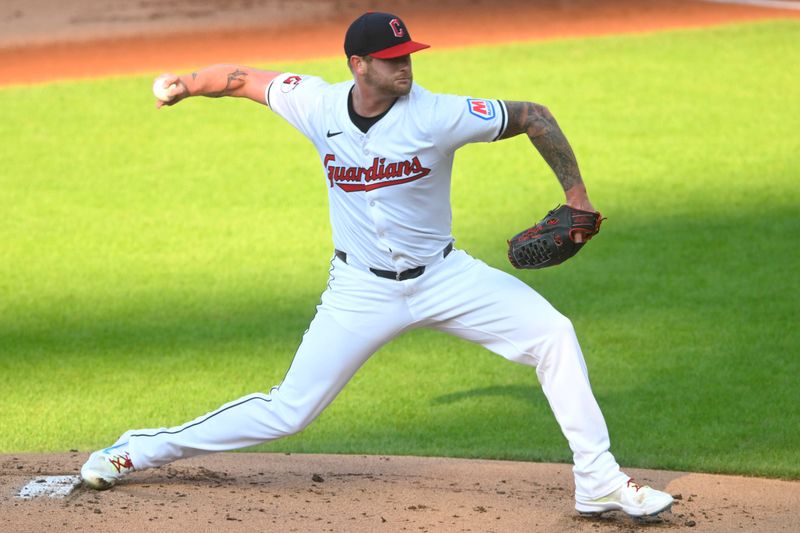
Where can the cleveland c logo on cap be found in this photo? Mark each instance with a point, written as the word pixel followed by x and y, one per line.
pixel 369 36
pixel 397 28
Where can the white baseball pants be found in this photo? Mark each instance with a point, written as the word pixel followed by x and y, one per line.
pixel 359 313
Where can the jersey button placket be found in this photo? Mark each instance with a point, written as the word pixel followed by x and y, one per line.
pixel 377 216
pixel 376 213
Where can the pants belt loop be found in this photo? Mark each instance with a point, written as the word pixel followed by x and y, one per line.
pixel 447 250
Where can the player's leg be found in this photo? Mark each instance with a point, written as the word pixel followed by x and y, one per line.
pixel 326 360
pixel 352 322
pixel 498 311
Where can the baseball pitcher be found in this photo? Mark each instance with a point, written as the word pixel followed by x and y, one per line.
pixel 386 150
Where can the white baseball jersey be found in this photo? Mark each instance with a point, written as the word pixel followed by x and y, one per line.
pixel 389 188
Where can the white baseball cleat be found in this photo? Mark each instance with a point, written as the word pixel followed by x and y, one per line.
pixel 631 498
pixel 105 467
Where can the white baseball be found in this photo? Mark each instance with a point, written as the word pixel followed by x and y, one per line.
pixel 161 90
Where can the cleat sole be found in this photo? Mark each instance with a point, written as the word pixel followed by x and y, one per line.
pixel 96 482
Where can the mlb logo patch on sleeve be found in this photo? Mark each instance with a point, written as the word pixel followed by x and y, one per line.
pixel 481 108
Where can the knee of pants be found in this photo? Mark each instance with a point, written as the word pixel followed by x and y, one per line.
pixel 560 349
pixel 561 326
pixel 290 416
pixel 290 426
pixel 559 336
pixel 546 338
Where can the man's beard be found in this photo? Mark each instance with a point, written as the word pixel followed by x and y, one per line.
pixel 388 86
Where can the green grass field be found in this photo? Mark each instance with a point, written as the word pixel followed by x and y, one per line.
pixel 155 264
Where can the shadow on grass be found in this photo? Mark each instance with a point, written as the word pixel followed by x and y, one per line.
pixel 516 392
pixel 158 326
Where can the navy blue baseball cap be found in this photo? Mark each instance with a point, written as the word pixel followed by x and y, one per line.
pixel 380 35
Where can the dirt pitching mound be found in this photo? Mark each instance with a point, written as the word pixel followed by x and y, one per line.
pixel 282 492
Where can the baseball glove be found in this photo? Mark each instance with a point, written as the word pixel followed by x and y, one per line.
pixel 552 240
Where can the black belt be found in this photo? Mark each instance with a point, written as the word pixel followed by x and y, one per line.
pixel 411 273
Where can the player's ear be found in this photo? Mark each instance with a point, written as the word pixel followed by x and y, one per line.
pixel 358 64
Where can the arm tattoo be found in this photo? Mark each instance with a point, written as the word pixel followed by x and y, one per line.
pixel 231 84
pixel 547 137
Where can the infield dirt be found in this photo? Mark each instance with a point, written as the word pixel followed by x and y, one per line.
pixel 45 40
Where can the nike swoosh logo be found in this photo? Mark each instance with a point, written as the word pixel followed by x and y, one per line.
pixel 334 134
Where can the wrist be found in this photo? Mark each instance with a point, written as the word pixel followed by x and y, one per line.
pixel 189 83
pixel 578 198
